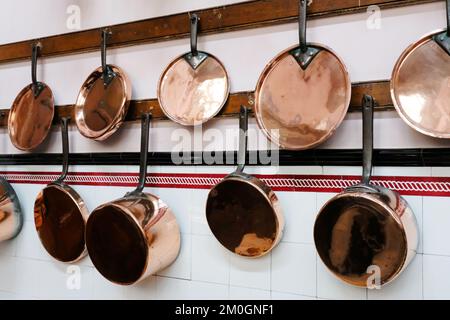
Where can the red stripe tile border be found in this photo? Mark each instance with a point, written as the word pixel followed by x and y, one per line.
pixel 420 186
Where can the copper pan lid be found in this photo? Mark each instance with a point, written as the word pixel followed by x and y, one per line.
pixel 420 86
pixel 103 101
pixel 32 112
pixel 194 87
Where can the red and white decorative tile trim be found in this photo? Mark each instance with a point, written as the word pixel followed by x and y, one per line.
pixel 422 186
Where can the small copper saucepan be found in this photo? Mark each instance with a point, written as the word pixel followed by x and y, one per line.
pixel 136 236
pixel 242 212
pixel 194 87
pixel 420 81
pixel 11 217
pixel 367 230
pixel 31 114
pixel 103 101
pixel 303 94
pixel 60 213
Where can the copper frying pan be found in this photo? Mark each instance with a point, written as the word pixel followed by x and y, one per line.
pixel 366 230
pixel 242 211
pixel 194 87
pixel 303 94
pixel 420 83
pixel 60 214
pixel 103 101
pixel 136 236
pixel 31 114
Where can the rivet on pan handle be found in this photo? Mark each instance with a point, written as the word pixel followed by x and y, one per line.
pixel 243 137
pixel 145 128
pixel 65 147
pixel 37 86
pixel 367 106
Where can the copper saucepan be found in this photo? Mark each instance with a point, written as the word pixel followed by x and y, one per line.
pixel 103 101
pixel 420 81
pixel 366 230
pixel 242 212
pixel 60 214
pixel 136 236
pixel 195 86
pixel 303 94
pixel 31 114
pixel 11 217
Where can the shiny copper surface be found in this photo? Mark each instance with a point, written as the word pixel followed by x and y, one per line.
pixel 420 88
pixel 192 97
pixel 358 229
pixel 299 109
pixel 244 215
pixel 100 110
pixel 60 217
pixel 30 118
pixel 132 238
pixel 11 219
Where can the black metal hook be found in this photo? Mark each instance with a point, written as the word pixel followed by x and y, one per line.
pixel 194 33
pixel 243 137
pixel 303 5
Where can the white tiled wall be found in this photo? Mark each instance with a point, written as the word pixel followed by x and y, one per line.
pixel 205 270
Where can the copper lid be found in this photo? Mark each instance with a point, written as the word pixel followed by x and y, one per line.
pixel 192 95
pixel 30 117
pixel 101 108
pixel 299 109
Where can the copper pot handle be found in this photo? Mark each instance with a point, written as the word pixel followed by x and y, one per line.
pixel 194 34
pixel 65 148
pixel 367 106
pixel 145 128
pixel 243 138
pixel 36 85
pixel 303 4
pixel 108 74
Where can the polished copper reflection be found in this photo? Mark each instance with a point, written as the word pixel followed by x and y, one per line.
pixel 358 230
pixel 299 109
pixel 132 238
pixel 420 88
pixel 30 118
pixel 11 218
pixel 191 96
pixel 60 217
pixel 244 215
pixel 101 109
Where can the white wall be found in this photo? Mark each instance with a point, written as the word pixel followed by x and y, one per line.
pixel 204 269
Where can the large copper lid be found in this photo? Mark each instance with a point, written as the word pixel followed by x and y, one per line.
pixel 195 86
pixel 32 112
pixel 420 86
pixel 103 101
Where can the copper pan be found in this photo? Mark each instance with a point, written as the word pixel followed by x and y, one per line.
pixel 136 236
pixel 303 94
pixel 32 111
pixel 420 84
pixel 242 212
pixel 103 101
pixel 195 86
pixel 60 214
pixel 366 235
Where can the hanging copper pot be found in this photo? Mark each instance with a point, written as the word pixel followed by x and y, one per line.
pixel 242 212
pixel 136 236
pixel 60 214
pixel 103 101
pixel 366 231
pixel 31 114
pixel 194 87
pixel 303 94
pixel 420 84
pixel 11 217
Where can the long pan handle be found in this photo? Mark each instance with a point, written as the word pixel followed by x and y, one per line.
pixel 302 25
pixel 65 148
pixel 36 86
pixel 243 129
pixel 448 17
pixel 145 128
pixel 194 33
pixel 367 106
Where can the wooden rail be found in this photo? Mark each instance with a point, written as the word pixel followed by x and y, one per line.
pixel 251 14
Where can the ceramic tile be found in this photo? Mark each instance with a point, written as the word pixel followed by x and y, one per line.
pixel 239 293
pixel 436 277
pixel 436 224
pixel 181 267
pixel 250 273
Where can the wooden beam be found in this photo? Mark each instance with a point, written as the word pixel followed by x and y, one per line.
pixel 251 14
pixel 378 89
